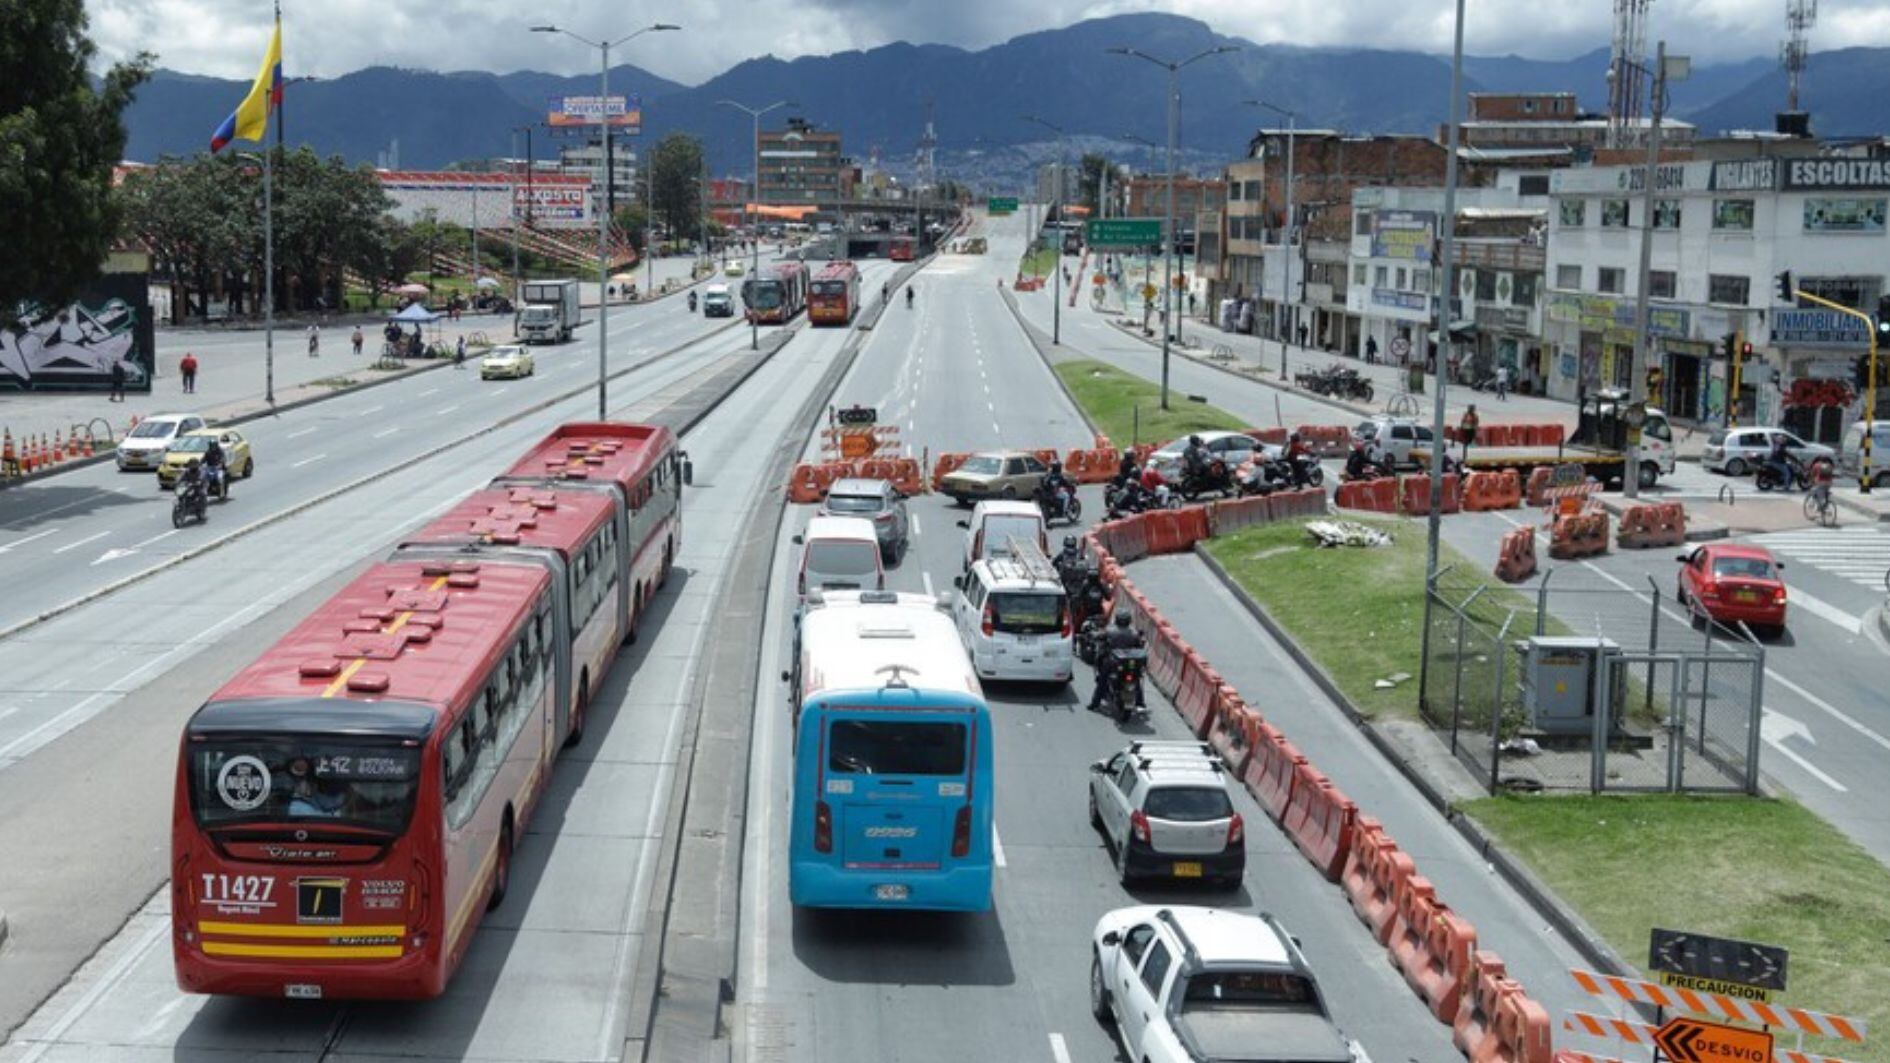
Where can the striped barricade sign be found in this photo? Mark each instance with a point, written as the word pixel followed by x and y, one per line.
pixel 1628 1031
pixel 1632 991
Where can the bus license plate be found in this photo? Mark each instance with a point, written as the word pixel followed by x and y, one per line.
pixel 302 991
pixel 891 892
pixel 1188 869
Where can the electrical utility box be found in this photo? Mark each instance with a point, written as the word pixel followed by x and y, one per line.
pixel 1560 673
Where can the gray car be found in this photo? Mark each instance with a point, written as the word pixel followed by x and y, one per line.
pixel 876 501
pixel 1738 451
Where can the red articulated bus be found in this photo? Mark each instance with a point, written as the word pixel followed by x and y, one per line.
pixel 779 296
pixel 348 804
pixel 836 294
pixel 902 250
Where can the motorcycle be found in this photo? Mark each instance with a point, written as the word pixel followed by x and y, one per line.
pixel 1279 474
pixel 1059 505
pixel 692 302
pixel 1796 476
pixel 1360 467
pixel 1306 471
pixel 192 504
pixel 1212 478
pixel 1122 682
pixel 1133 499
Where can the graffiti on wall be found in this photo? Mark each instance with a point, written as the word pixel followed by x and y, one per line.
pixel 75 346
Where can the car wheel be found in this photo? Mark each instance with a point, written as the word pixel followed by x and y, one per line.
pixel 1737 467
pixel 1098 992
pixel 249 468
pixel 1010 491
pixel 1650 474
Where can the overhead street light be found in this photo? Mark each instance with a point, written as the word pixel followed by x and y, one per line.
pixel 607 182
pixel 1056 199
pixel 754 197
pixel 1174 120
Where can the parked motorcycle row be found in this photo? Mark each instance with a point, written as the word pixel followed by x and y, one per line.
pixel 1336 381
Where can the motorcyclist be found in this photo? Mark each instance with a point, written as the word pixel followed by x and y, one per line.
pixel 216 469
pixel 1194 458
pixel 1054 484
pixel 1122 636
pixel 1126 469
pixel 1070 557
pixel 1296 448
pixel 1358 465
pixel 1779 460
pixel 692 302
pixel 190 484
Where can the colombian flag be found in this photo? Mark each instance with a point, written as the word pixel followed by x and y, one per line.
pixel 250 120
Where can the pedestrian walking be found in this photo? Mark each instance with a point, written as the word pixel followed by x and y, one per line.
pixel 188 369
pixel 314 341
pixel 1371 349
pixel 1302 334
pixel 357 340
pixel 459 351
pixel 1467 428
pixel 1502 381
pixel 118 382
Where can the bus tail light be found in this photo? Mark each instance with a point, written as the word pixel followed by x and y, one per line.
pixel 1138 827
pixel 823 827
pixel 1236 831
pixel 988 623
pixel 961 832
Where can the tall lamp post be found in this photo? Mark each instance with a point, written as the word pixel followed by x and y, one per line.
pixel 1056 200
pixel 1174 121
pixel 609 179
pixel 1665 67
pixel 754 197
pixel 1292 220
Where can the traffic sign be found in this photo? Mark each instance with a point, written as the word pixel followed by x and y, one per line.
pixel 1148 291
pixel 1717 965
pixel 857 415
pixel 1002 205
pixel 1400 346
pixel 1699 1041
pixel 1121 234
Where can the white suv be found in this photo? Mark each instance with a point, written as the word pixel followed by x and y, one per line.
pixel 143 448
pixel 1014 617
pixel 1165 810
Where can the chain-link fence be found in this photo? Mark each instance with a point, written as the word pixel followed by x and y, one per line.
pixel 1582 683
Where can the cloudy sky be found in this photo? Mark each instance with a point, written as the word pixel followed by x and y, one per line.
pixel 328 37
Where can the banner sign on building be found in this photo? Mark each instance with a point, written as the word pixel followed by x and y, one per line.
pixel 1599 313
pixel 1396 300
pixel 550 202
pixel 1817 328
pixel 1820 174
pixel 573 112
pixel 1404 234
pixel 1745 175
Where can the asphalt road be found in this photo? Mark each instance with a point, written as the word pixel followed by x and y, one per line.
pixel 87 815
pixel 1011 984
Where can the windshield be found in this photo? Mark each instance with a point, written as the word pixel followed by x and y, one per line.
pixel 1250 989
pixel 190 444
pixel 843 558
pixel 536 313
pixel 854 504
pixel 1020 613
pixel 243 781
pixel 999 530
pixel 1717 439
pixel 154 430
pixel 1742 567
pixel 879 747
pixel 764 295
pixel 504 352
pixel 983 465
pixel 1656 428
pixel 1188 804
pixel 830 287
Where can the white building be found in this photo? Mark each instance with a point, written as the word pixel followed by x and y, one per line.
pixel 587 160
pixel 1722 231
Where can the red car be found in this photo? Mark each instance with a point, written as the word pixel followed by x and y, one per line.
pixel 1733 582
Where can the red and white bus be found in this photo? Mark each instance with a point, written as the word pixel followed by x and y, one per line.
pixel 348 804
pixel 836 294
pixel 902 249
pixel 778 296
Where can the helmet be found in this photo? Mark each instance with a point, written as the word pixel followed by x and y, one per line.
pixel 1122 620
pixel 1056 467
pixel 1069 542
pixel 1294 438
pixel 1195 440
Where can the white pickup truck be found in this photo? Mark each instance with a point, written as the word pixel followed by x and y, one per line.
pixel 1202 985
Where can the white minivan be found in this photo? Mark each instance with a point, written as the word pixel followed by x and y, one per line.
pixel 840 553
pixel 995 522
pixel 1850 458
pixel 1015 620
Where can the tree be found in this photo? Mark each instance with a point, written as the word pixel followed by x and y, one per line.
pixel 634 222
pixel 59 139
pixel 676 169
pixel 1093 166
pixel 197 218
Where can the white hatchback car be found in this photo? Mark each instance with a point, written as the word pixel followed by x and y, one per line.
pixel 142 450
pixel 1014 617
pixel 1738 451
pixel 1165 810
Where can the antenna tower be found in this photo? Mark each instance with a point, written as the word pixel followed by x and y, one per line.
pixel 1626 62
pixel 1800 16
pixel 923 158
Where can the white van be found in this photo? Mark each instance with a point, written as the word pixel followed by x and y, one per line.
pixel 992 525
pixel 1850 459
pixel 840 553
pixel 1015 619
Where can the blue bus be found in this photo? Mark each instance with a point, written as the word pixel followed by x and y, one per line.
pixel 893 764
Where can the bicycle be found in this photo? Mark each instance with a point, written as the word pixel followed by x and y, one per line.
pixel 1819 508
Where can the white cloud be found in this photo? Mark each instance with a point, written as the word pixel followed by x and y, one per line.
pixel 329 37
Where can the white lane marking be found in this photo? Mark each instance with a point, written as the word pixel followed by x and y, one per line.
pixel 1776 727
pixel 107 982
pixel 306 461
pixel 385 432
pixel 916 530
pixel 28 539
pixel 425 393
pixel 997 846
pixel 369 410
pixel 82 542
pixel 1058 1050
pixel 303 432
pixel 448 409
pixel 155 538
pixel 927 577
pixel 1824 610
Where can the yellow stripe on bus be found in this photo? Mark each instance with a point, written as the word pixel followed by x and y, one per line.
pixel 270 930
pixel 341 681
pixel 303 952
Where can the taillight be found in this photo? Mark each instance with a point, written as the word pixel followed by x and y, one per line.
pixel 1778 596
pixel 1236 831
pixel 1063 612
pixel 988 623
pixel 1138 826
pixel 961 832
pixel 823 827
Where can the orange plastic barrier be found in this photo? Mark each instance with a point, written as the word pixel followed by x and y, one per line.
pixel 803 485
pixel 1273 436
pixel 1195 697
pixel 1368 838
pixel 1662 524
pixel 907 476
pixel 1579 535
pixel 1412 908
pixel 1233 730
pixel 1166 656
pixel 1483 990
pixel 1492 490
pixel 1379 496
pixel 1227 517
pixel 1191 526
pixel 1326 440
pixel 1520 1035
pixel 1320 819
pixel 1128 539
pixel 1305 502
pixel 1271 783
pixel 1414 494
pixel 1438 972
pixel 1539 484
pixel 1516 555
pixel 945 466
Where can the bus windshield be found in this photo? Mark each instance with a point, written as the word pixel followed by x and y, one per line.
pixel 896 747
pixel 281 778
pixel 764 295
pixel 830 287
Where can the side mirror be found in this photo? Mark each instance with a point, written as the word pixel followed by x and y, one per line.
pixel 800 540
pixel 965 524
pixel 1780 565
pixel 787 676
pixel 688 472
pixel 959 582
pixel 1682 558
pixel 1099 767
pixel 1112 939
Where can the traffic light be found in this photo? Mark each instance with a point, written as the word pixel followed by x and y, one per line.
pixel 1883 321
pixel 1727 341
pixel 1860 371
pixel 1745 349
pixel 1785 290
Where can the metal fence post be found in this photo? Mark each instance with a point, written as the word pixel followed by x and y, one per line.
pixel 1653 643
pixel 1755 720
pixel 1598 700
pixel 1501 651
pixel 1542 602
pixel 1456 687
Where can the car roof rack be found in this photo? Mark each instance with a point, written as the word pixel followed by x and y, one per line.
pixel 1027 558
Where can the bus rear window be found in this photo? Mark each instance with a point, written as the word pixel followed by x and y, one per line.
pixel 240 781
pixel 888 747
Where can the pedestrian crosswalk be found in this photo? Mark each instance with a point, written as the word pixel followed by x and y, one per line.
pixel 1860 555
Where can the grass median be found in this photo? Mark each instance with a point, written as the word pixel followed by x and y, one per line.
pixel 1756 870
pixel 1039 263
pixel 1128 408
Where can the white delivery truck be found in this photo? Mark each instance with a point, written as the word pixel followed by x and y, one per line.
pixel 550 311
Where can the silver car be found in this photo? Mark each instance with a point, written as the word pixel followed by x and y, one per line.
pixel 1164 809
pixel 876 501
pixel 1739 451
pixel 1394 437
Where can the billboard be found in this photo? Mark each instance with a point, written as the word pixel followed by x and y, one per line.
pixel 1404 234
pixel 489 200
pixel 550 203
pixel 73 347
pixel 625 113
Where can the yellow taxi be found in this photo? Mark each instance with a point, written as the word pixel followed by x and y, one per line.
pixel 506 363
pixel 734 267
pixel 191 446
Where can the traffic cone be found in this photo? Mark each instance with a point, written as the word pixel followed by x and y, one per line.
pixel 59 446
pixel 88 444
pixel 29 455
pixel 8 460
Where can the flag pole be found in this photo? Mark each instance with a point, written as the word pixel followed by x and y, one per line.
pixel 269 251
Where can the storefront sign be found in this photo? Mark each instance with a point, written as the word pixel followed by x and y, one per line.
pixel 1745 175
pixel 1666 178
pixel 1600 313
pixel 1803 174
pixel 1817 328
pixel 1393 299
pixel 1403 234
pixel 1503 318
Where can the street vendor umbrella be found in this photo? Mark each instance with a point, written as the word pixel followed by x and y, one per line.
pixel 412 289
pixel 486 282
pixel 416 315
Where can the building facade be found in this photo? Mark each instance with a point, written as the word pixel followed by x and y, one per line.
pixel 800 164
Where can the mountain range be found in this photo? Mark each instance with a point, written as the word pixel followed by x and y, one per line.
pixel 879 98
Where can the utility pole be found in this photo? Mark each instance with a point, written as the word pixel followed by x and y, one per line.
pixel 1056 265
pixel 754 114
pixel 1637 371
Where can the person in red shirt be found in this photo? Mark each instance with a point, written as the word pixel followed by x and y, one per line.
pixel 188 370
pixel 1151 478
